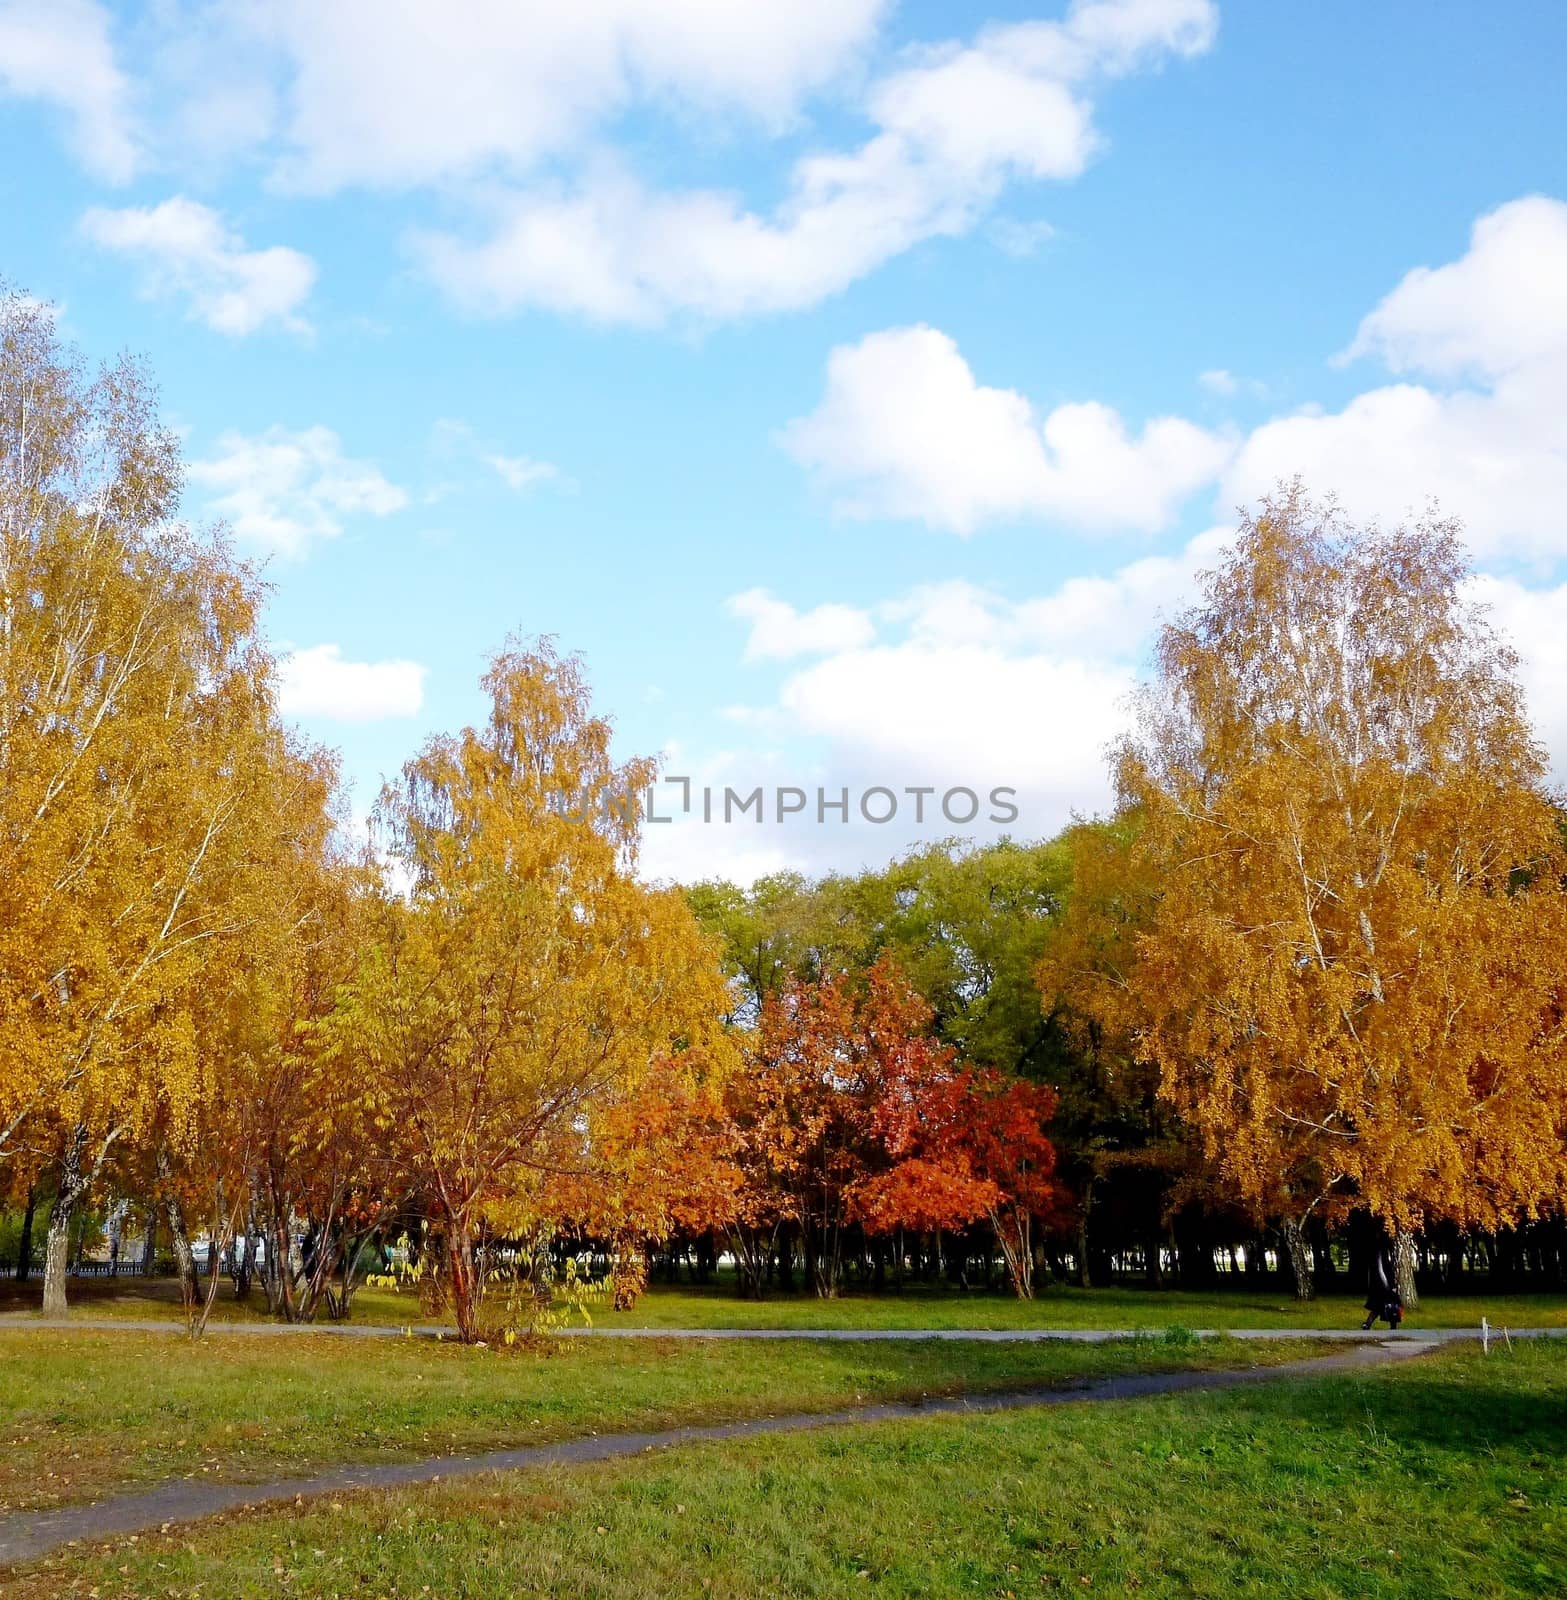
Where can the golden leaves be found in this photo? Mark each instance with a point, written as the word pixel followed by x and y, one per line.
pixel 1350 977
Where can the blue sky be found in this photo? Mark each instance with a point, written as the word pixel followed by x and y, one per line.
pixel 852 384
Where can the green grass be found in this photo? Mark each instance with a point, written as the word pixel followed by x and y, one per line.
pixel 913 1306
pixel 1442 1477
pixel 926 1306
pixel 134 1298
pixel 84 1413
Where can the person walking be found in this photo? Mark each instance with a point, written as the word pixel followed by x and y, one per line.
pixel 1382 1296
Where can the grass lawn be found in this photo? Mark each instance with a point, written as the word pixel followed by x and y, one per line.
pixel 913 1306
pixel 924 1306
pixel 1445 1476
pixel 84 1413
pixel 158 1299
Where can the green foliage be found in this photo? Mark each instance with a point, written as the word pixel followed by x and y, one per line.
pixel 966 923
pixel 522 1299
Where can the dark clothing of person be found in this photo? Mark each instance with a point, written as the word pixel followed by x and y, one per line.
pixel 1384 1281
pixel 1382 1296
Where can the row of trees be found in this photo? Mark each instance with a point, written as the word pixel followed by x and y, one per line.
pixel 157 821
pixel 486 1033
pixel 1310 970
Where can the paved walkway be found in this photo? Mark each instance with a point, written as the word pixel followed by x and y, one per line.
pixel 361 1330
pixel 29 1536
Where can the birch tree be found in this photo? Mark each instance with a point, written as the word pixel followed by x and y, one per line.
pixel 1353 981
pixel 133 691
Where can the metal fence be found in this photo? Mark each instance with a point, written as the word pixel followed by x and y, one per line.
pixel 126 1267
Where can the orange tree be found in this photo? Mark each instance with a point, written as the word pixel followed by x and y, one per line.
pixel 652 1162
pixel 799 1112
pixel 297 1105
pixel 850 1113
pixel 1352 980
pixel 961 1145
pixel 527 977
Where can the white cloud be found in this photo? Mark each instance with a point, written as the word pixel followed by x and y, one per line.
pixel 952 126
pixel 452 439
pixel 1226 385
pixel 904 430
pixel 687 850
pixel 318 682
pixel 683 848
pixel 515 109
pixel 949 686
pixel 382 94
pixel 281 489
pixel 1092 618
pixel 1490 447
pixel 952 684
pixel 956 686
pixel 60 52
pixel 1498 461
pixel 1500 307
pixel 946 687
pixel 1532 622
pixel 184 248
pixel 962 686
pixel 522 472
pixel 970 715
pixel 779 632
pixel 1020 240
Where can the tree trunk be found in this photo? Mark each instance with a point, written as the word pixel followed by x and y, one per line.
pixel 1085 1275
pixel 57 1245
pixel 827 1270
pixel 73 1184
pixel 174 1215
pixel 1153 1277
pixel 1324 1273
pixel 24 1242
pixel 751 1258
pixel 245 1258
pixel 1404 1267
pixel 465 1281
pixel 184 1256
pixel 1256 1260
pixel 277 1271
pixel 1193 1249
pixel 1014 1234
pixel 1297 1259
pixel 1453 1276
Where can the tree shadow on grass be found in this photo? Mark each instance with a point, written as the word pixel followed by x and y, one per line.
pixel 1459 1403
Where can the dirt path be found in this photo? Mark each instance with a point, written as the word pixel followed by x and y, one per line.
pixel 29 1536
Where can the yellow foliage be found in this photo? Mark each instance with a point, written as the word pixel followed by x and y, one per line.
pixel 135 708
pixel 1352 977
pixel 528 977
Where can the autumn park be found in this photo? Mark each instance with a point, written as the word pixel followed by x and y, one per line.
pixel 718 878
pixel 1297 1002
